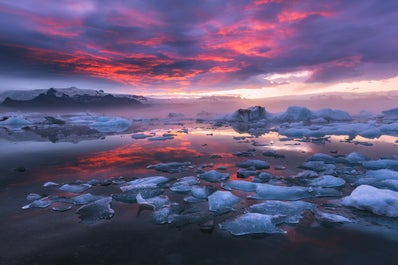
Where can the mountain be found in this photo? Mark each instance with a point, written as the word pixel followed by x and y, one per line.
pixel 67 97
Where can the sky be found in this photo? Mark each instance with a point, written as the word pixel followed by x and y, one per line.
pixel 249 48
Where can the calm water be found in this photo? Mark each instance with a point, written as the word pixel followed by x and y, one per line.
pixel 42 236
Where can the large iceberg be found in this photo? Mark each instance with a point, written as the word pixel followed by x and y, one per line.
pixel 248 115
pixel 378 201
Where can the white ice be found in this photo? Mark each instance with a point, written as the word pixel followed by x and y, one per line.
pixel 250 224
pixel 378 201
pixel 222 201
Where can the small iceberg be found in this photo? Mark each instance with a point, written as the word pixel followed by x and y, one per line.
pixel 214 176
pixel 250 224
pixel 222 202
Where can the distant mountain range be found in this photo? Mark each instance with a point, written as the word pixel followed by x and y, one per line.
pixel 67 97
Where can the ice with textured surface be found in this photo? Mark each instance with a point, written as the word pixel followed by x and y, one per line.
pixel 222 201
pixel 250 224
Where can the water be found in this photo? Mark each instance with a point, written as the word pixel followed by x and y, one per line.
pixel 42 236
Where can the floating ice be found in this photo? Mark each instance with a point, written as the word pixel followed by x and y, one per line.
pixel 272 192
pixel 202 192
pixel 378 201
pixel 283 212
pixel 327 181
pixel 382 178
pixel 381 164
pixel 250 224
pixel 50 184
pixel 248 153
pixel 16 122
pixel 41 203
pixel 140 136
pixel 257 164
pixel 319 166
pixel 214 176
pixel 130 195
pixel 305 174
pixel 184 184
pixel 391 114
pixel 328 159
pixel 61 207
pixel 332 115
pixel 294 114
pixel 85 198
pixel 33 196
pixel 262 177
pixel 222 201
pixel 325 218
pixel 110 124
pixel 273 153
pixel 96 211
pixel 160 138
pixel 355 158
pixel 247 115
pixel 239 185
pixel 156 202
pixel 75 188
pixel 147 182
pixel 172 167
pixel 244 173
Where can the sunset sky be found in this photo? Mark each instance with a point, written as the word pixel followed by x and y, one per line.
pixel 256 48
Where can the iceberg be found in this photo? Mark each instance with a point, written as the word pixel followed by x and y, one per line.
pixel 75 188
pixel 332 115
pixel 239 185
pixel 327 159
pixel 248 115
pixel 130 195
pixel 171 167
pixel 255 164
pixel 292 193
pixel 327 181
pixel 214 176
pixel 96 211
pixel 250 224
pixel 378 201
pixel 294 114
pixel 107 124
pixel 222 202
pixel 283 211
pixel 184 184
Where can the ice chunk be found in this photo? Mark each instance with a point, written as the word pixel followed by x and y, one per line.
pixel 85 198
pixel 110 124
pixel 355 158
pixel 96 211
pixel 193 199
pixel 283 212
pixel 214 176
pixel 326 218
pixel 202 192
pixel 319 166
pixel 61 207
pixel 156 202
pixel 272 192
pixel 305 174
pixel 327 181
pixel 160 138
pixel 263 177
pixel 381 164
pixel 147 182
pixel 239 185
pixel 130 195
pixel 382 178
pixel 184 184
pixel 257 164
pixel 391 114
pixel 247 115
pixel 379 201
pixel 332 115
pixel 250 224
pixel 140 136
pixel 75 188
pixel 33 197
pixel 294 114
pixel 18 121
pixel 41 203
pixel 273 153
pixel 328 159
pixel 172 167
pixel 222 201
pixel 244 173
pixel 50 184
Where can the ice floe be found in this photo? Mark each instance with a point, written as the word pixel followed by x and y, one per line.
pixel 156 202
pixel 378 201
pixel 75 188
pixel 255 164
pixel 222 202
pixel 250 224
pixel 290 212
pixel 214 176
pixel 96 211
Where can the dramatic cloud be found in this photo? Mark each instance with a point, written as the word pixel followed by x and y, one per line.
pixel 198 46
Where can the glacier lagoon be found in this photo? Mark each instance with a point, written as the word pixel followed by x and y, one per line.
pixel 100 190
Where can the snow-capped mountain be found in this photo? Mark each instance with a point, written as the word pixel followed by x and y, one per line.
pixel 67 97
